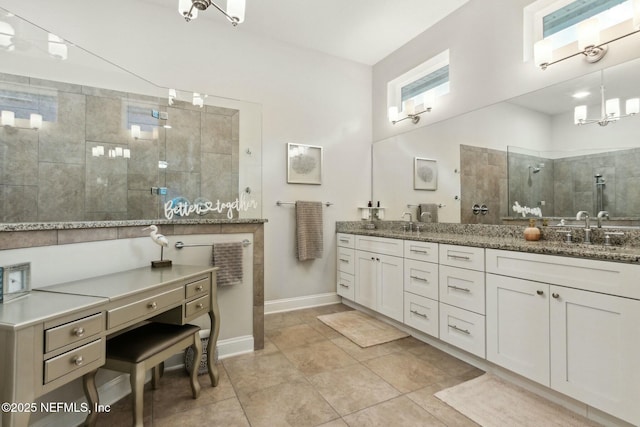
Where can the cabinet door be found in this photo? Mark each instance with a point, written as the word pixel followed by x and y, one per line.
pixel 595 349
pixel 518 326
pixel 366 279
pixel 390 286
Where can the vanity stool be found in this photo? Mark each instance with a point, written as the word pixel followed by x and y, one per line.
pixel 140 349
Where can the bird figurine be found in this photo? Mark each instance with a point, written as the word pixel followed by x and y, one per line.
pixel 162 241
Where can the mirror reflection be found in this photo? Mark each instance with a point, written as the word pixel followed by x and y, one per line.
pixel 85 140
pixel 527 157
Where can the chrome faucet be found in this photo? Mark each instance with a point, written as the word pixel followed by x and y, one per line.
pixel 587 227
pixel 410 219
pixel 601 215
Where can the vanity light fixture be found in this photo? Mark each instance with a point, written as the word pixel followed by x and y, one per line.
pixel 235 9
pixel 589 43
pixel 409 109
pixel 8 119
pixel 609 109
pixel 198 100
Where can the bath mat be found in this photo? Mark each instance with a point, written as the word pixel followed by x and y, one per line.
pixel 493 402
pixel 362 329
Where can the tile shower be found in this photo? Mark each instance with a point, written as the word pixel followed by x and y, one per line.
pixel 52 174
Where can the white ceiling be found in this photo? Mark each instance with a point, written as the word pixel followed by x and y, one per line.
pixel 364 31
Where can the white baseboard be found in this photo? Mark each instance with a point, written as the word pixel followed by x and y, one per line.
pixel 117 388
pixel 290 304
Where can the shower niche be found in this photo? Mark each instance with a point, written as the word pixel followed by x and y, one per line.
pixel 561 183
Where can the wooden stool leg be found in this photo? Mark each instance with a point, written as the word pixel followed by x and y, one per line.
pixel 197 350
pixel 91 392
pixel 155 378
pixel 137 377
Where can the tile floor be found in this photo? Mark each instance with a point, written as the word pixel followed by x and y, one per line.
pixel 309 375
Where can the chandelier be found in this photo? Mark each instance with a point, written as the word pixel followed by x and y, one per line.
pixel 234 13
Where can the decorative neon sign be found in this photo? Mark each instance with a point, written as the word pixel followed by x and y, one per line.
pixel 181 207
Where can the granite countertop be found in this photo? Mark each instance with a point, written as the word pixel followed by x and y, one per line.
pixel 506 238
pixel 70 225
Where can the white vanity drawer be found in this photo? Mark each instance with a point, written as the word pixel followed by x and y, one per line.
pixel 346 240
pixel 71 332
pixel 463 329
pixel 346 286
pixel 346 260
pixel 421 313
pixel 380 245
pixel 462 288
pixel 74 360
pixel 421 251
pixel 462 256
pixel 613 278
pixel 421 278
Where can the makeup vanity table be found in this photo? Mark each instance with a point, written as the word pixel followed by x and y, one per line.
pixel 58 333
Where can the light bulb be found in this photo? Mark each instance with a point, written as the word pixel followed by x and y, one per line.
pixel 409 107
pixel 612 108
pixel 135 131
pixel 8 118
pixel 35 121
pixel 632 106
pixel 393 114
pixel 588 33
pixel 235 9
pixel 543 52
pixel 579 114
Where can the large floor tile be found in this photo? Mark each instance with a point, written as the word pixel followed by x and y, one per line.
pixel 225 413
pixel 444 361
pixel 294 404
pixel 352 388
pixel 282 320
pixel 318 357
pixel 400 411
pixel 294 336
pixel 250 374
pixel 405 371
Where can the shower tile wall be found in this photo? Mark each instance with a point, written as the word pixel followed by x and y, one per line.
pixel 529 188
pixel 483 180
pixel 51 174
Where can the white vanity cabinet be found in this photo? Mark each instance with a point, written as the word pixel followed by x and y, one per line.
pixel 583 343
pixel 462 297
pixel 379 275
pixel 345 285
pixel 421 286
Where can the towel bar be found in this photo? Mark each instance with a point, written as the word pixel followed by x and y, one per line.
pixel 180 245
pixel 279 203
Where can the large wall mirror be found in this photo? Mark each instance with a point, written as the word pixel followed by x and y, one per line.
pixel 524 157
pixel 83 139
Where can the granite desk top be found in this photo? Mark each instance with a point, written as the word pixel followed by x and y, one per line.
pixel 508 238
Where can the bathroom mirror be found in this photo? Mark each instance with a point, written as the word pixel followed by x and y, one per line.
pixel 526 150
pixel 83 139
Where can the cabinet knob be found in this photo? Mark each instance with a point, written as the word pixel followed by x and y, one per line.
pixel 78 361
pixel 199 288
pixel 199 305
pixel 78 332
pixel 152 305
pixel 539 292
pixel 555 295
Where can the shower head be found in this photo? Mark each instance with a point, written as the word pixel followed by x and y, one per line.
pixel 536 169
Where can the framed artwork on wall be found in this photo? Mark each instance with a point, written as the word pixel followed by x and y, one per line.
pixel 304 164
pixel 425 174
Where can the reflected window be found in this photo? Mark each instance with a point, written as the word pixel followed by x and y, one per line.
pixel 25 102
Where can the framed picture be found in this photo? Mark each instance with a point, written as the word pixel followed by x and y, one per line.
pixel 425 174
pixel 15 281
pixel 304 164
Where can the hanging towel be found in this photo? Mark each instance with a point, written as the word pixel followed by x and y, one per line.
pixel 228 257
pixel 309 230
pixel 432 208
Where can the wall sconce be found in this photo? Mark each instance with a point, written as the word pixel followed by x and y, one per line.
pixel 119 152
pixel 609 109
pixel 409 108
pixel 198 100
pixel 135 131
pixel 97 151
pixel 8 119
pixel 589 43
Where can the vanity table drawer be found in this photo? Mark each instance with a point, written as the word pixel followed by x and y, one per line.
pixel 196 307
pixel 69 333
pixel 142 308
pixel 73 360
pixel 421 278
pixel 197 288
pixel 462 256
pixel 462 288
pixel 345 286
pixel 463 329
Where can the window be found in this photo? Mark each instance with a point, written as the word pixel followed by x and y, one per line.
pixel 419 87
pixel 557 20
